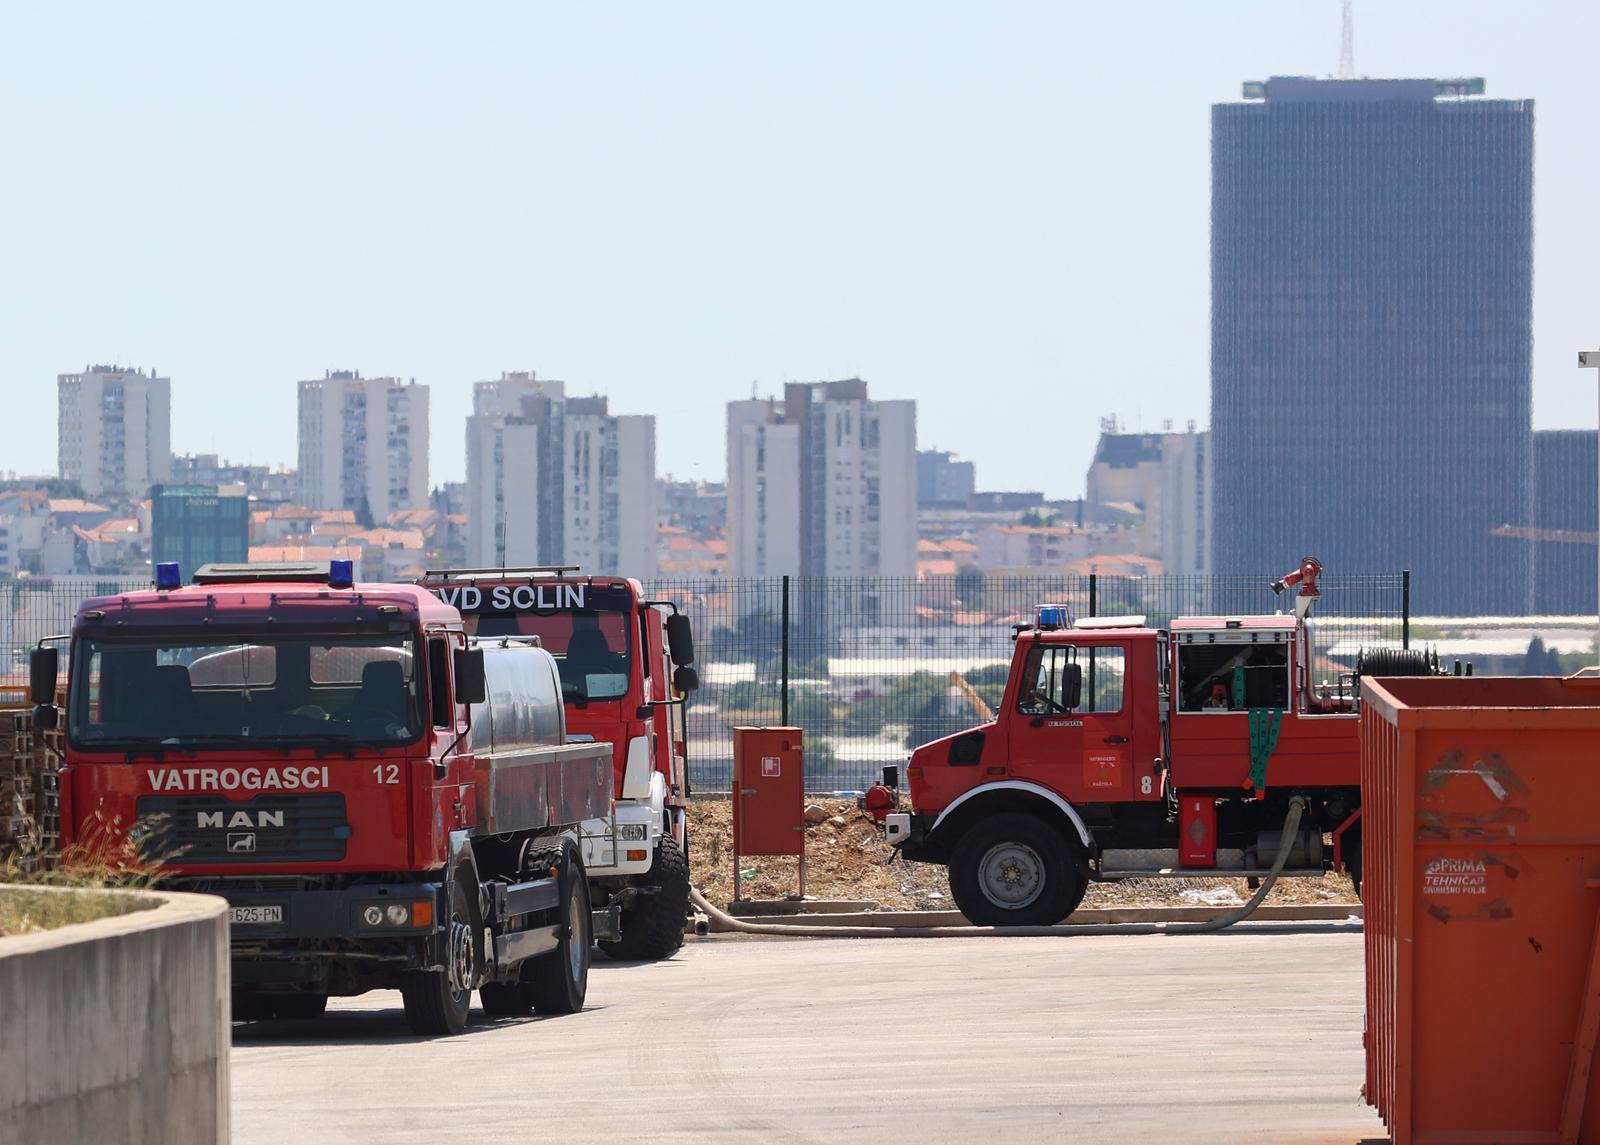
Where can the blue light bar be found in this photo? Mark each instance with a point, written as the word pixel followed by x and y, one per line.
pixel 341 574
pixel 1054 616
pixel 168 575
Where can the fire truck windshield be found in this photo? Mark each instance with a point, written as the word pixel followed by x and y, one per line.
pixel 234 694
pixel 593 648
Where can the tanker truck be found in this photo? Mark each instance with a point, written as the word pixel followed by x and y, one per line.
pixel 384 801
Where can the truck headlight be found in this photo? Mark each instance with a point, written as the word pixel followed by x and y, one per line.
pixel 373 916
pixel 398 915
pixel 633 831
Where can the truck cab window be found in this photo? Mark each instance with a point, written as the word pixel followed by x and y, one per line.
pixel 1233 677
pixel 1065 678
pixel 439 682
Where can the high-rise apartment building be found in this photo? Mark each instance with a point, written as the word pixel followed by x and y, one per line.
pixel 114 431
pixel 553 479
pixel 363 444
pixel 1371 304
pixel 942 480
pixel 822 484
pixel 1563 505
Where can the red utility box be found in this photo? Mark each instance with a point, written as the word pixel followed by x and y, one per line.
pixel 769 796
pixel 769 792
pixel 1197 831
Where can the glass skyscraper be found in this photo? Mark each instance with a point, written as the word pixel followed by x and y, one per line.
pixel 1371 305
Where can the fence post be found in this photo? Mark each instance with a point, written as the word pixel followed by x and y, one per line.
pixel 1405 608
pixel 1094 592
pixel 783 720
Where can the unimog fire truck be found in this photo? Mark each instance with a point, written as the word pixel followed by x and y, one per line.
pixel 626 667
pixel 1122 751
pixel 383 800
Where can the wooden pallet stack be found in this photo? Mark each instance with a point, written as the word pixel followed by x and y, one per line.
pixel 30 800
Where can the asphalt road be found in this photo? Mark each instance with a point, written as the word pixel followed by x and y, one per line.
pixel 1214 1038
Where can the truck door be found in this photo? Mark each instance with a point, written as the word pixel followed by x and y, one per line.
pixel 1073 731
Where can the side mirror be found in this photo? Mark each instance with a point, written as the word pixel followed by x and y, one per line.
pixel 680 641
pixel 1072 687
pixel 45 717
pixel 891 776
pixel 472 686
pixel 685 679
pixel 43 667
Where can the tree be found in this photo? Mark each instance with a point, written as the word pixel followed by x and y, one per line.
pixel 969 585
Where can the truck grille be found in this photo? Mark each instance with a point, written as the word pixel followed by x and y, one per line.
pixel 191 829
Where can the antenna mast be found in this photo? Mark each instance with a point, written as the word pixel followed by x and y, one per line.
pixel 1347 41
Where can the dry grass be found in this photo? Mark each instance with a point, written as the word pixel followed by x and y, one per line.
pixel 846 858
pixel 23 910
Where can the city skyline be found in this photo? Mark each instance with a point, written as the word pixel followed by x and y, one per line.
pixel 934 279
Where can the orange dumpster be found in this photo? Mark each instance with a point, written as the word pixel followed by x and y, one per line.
pixel 1481 809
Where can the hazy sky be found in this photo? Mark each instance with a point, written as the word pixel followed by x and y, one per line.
pixel 999 209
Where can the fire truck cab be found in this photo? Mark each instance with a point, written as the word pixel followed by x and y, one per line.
pixel 626 668
pixel 1122 751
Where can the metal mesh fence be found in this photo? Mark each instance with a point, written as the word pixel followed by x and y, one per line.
pixel 868 667
pixel 872 667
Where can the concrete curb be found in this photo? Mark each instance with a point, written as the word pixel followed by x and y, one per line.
pixel 920 918
pixel 118 1029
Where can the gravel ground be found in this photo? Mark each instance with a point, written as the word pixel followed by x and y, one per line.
pixel 848 859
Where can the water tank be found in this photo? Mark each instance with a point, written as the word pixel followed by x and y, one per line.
pixel 524 690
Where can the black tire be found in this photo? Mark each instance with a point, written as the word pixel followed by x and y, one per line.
pixel 255 1007
pixel 652 926
pixel 557 982
pixel 1352 859
pixel 300 1007
pixel 1014 869
pixel 505 1000
pixel 434 1005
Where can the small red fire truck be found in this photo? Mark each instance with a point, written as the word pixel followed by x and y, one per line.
pixel 1123 751
pixel 626 667
pixel 384 801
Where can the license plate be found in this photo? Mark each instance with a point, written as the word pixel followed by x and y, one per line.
pixel 245 915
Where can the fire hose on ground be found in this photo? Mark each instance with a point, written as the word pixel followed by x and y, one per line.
pixel 1291 828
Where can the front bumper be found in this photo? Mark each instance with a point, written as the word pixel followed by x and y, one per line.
pixel 335 914
pixel 606 848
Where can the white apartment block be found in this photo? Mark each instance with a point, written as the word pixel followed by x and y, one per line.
pixel 823 485
pixel 553 479
pixel 763 490
pixel 114 430
pixel 363 441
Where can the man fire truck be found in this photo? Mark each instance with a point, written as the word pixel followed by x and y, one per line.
pixel 383 801
pixel 626 668
pixel 1121 751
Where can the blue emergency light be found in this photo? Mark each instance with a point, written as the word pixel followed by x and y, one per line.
pixel 168 575
pixel 341 574
pixel 1054 616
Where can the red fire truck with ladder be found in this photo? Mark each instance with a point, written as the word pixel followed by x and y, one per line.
pixel 1121 751
pixel 384 801
pixel 626 665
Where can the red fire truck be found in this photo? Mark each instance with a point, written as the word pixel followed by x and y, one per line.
pixel 1123 751
pixel 626 668
pixel 383 801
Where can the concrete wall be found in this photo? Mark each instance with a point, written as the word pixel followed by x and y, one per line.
pixel 118 1030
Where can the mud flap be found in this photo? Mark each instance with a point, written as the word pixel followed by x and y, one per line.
pixel 607 923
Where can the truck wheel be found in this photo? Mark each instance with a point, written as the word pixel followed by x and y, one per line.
pixel 300 1007
pixel 437 1001
pixel 652 928
pixel 505 1000
pixel 1014 869
pixel 258 1007
pixel 556 983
